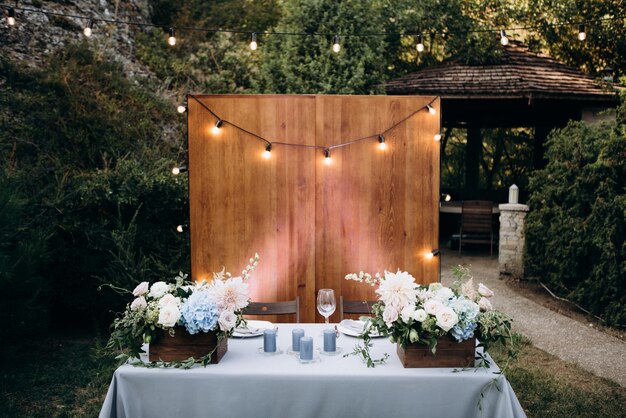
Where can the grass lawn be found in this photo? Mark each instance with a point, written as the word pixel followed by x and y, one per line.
pixel 61 377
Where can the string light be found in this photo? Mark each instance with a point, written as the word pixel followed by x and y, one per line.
pixel 431 254
pixel 253 44
pixel 431 109
pixel 327 156
pixel 503 39
pixel 88 29
pixel 181 108
pixel 381 142
pixel 582 35
pixel 446 197
pixel 172 38
pixel 11 16
pixel 336 45
pixel 437 137
pixel 268 152
pixel 216 128
pixel 177 170
pixel 181 228
pixel 420 44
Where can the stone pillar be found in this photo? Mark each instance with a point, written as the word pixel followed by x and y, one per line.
pixel 512 238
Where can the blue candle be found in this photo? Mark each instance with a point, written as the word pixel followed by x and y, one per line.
pixel 269 341
pixel 306 348
pixel 296 334
pixel 330 340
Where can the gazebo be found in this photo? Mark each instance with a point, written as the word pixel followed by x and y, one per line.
pixel 525 89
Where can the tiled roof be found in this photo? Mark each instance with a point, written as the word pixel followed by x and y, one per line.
pixel 519 74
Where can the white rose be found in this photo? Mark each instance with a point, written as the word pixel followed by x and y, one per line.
pixel 141 289
pixel 169 316
pixel 390 315
pixel 169 300
pixel 444 294
pixel 227 320
pixel 407 314
pixel 446 318
pixel 433 287
pixel 419 315
pixel 433 306
pixel 485 305
pixel 158 289
pixel 484 290
pixel 139 304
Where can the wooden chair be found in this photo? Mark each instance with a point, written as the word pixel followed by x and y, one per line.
pixel 289 307
pixel 476 223
pixel 355 307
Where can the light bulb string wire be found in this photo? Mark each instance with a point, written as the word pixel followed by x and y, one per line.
pixel 322 147
pixel 320 34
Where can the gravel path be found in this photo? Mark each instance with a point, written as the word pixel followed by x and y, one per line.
pixel 566 338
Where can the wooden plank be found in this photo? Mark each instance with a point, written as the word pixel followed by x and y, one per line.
pixel 241 203
pixel 376 209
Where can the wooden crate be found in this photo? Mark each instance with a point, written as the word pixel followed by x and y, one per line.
pixel 449 354
pixel 184 345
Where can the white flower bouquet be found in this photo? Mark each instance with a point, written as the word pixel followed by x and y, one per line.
pixel 194 307
pixel 415 314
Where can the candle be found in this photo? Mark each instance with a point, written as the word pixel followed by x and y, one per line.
pixel 330 340
pixel 296 334
pixel 306 348
pixel 269 341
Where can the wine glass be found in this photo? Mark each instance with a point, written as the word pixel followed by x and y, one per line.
pixel 326 304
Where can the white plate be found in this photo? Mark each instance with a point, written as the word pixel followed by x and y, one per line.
pixel 349 327
pixel 255 329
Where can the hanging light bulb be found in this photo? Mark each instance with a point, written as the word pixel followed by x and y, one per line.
pixel 88 29
pixel 268 152
pixel 177 170
pixel 446 197
pixel 181 228
pixel 216 128
pixel 11 16
pixel 420 43
pixel 381 142
pixel 429 255
pixel 253 44
pixel 327 157
pixel 336 45
pixel 582 35
pixel 172 38
pixel 503 39
pixel 437 137
pixel 431 109
pixel 181 108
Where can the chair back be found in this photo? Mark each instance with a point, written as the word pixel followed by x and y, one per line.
pixel 289 307
pixel 476 216
pixel 362 307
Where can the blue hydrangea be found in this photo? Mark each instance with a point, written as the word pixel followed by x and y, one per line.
pixel 462 334
pixel 199 313
pixel 467 311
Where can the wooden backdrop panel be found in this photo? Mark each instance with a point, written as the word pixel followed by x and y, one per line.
pixel 312 223
pixel 376 209
pixel 241 203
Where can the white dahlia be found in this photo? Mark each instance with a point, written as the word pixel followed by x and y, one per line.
pixel 230 295
pixel 398 290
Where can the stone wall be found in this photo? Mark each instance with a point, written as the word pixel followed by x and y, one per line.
pixel 512 239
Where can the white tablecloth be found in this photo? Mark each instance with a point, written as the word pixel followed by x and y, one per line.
pixel 248 384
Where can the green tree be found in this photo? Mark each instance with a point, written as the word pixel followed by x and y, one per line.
pixel 299 64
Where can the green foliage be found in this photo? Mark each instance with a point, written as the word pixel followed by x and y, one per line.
pixel 293 64
pixel 87 149
pixel 576 226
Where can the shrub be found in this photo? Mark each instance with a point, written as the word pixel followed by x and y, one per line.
pixel 577 221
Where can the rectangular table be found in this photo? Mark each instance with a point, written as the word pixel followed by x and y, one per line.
pixel 248 384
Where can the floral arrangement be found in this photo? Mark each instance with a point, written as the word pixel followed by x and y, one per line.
pixel 197 306
pixel 412 313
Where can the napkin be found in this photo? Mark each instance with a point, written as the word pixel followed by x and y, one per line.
pixel 357 326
